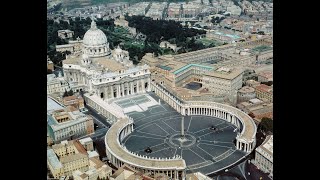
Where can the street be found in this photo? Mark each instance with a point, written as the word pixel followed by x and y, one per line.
pixel 255 173
pixel 101 125
pixel 97 117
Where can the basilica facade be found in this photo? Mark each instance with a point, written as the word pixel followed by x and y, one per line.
pixel 107 73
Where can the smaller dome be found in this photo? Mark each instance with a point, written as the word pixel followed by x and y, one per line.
pixel 118 50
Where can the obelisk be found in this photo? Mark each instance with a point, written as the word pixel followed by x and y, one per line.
pixel 182 128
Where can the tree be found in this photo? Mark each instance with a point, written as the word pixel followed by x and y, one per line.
pixel 266 124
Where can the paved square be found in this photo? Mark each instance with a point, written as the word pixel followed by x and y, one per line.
pixel 203 148
pixel 138 103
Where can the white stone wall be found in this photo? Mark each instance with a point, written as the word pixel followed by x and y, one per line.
pixel 222 86
pixel 263 163
pixel 57 85
pixel 77 129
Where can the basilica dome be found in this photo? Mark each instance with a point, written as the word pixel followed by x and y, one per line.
pixel 95 42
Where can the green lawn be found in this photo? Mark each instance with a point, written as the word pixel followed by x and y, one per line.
pixel 133 43
pixel 120 30
pixel 207 42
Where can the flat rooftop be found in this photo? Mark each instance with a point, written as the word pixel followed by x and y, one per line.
pixel 75 118
pixel 53 105
pixel 53 159
pixel 265 88
pixel 246 89
pixel 72 157
pixel 85 140
pixel 192 65
pixel 225 75
pixel 98 63
pixel 266 148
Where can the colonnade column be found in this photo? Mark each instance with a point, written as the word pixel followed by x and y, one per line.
pixel 238 123
pixel 143 85
pixel 112 93
pixel 137 88
pixel 118 91
pixel 131 88
pixel 176 174
pixel 149 84
pixel 122 89
pixel 106 95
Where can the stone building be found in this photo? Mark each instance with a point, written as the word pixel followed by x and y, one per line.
pixel 264 156
pixel 66 157
pixel 121 21
pixel 265 76
pixel 56 84
pixel 264 92
pixel 70 158
pixel 65 123
pixel 65 34
pixel 252 83
pixel 87 143
pixel 107 73
pixel 73 47
pixel 245 94
pixel 75 101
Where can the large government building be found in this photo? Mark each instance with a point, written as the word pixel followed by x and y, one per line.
pixel 218 71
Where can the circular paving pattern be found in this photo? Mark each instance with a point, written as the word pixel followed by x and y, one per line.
pixel 182 142
pixel 208 144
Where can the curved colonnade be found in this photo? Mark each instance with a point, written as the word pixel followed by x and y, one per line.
pixel 119 155
pixel 175 167
pixel 246 140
